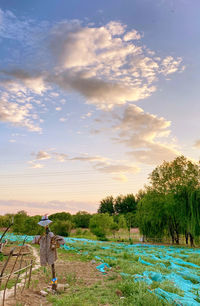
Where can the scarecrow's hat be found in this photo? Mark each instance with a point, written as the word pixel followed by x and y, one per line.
pixel 44 221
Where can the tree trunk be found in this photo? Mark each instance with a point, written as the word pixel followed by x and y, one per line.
pixel 177 238
pixel 186 238
pixel 172 234
pixel 191 240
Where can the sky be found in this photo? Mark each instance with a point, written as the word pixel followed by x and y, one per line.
pixel 93 96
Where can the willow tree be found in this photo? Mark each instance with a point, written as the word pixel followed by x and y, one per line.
pixel 171 177
pixel 179 181
pixel 193 220
pixel 151 215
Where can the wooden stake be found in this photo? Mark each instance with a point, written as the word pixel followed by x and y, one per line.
pixel 54 283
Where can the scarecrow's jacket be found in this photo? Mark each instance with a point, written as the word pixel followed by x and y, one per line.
pixel 48 255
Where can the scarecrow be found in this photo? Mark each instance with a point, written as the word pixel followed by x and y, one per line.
pixel 48 244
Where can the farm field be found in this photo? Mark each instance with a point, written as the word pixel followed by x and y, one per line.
pixel 108 273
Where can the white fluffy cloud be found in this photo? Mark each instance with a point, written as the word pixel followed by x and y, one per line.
pixel 104 64
pixel 142 133
pixel 17 114
pixel 108 65
pixel 132 35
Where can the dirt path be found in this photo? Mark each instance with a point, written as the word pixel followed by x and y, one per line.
pixel 10 292
pixel 71 273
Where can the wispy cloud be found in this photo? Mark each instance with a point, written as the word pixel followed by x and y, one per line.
pixel 49 207
pixel 197 144
pixel 41 155
pixel 98 163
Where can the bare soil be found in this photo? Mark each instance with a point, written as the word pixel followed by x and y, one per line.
pixel 74 273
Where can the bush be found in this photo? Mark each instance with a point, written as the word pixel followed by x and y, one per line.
pixel 100 224
pixel 62 228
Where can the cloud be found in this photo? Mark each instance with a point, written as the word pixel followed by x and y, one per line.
pixel 142 133
pixel 20 80
pixel 63 119
pixel 104 65
pixel 115 167
pixel 41 155
pixel 60 156
pixel 98 163
pixel 197 144
pixel 107 165
pixel 87 158
pixel 17 114
pixel 121 178
pixel 108 65
pixel 35 165
pixel 49 207
pixel 133 35
pixel 89 114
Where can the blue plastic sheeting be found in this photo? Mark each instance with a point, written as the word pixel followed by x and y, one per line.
pixel 111 257
pixel 145 262
pixel 66 247
pixel 102 267
pixel 98 258
pixel 105 247
pixel 175 299
pixel 174 262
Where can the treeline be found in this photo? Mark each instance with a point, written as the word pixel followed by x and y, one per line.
pixel 62 223
pixel 169 207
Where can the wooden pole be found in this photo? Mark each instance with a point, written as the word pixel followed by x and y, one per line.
pixel 5 265
pixel 54 280
pixel 29 278
pixel 21 261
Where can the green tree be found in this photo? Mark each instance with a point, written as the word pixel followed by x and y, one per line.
pixel 122 222
pixel 125 204
pixel 176 181
pixel 114 227
pixel 62 227
pixel 151 215
pixel 130 221
pixel 64 216
pixel 19 222
pixel 189 212
pixel 171 177
pixel 100 225
pixel 31 225
pixel 82 219
pixel 106 206
pixel 6 220
pixel 140 195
